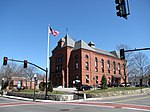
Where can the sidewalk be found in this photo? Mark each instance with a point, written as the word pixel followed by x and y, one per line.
pixel 80 100
pixel 70 90
pixel 27 99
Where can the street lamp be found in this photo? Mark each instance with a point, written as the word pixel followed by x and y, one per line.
pixel 2 86
pixel 34 98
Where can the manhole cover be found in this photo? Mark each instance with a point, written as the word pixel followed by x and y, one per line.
pixel 64 110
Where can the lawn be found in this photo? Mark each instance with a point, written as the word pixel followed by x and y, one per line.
pixel 112 89
pixel 29 91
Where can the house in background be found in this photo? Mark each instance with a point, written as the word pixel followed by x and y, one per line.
pixel 25 82
pixel 135 81
pixel 76 60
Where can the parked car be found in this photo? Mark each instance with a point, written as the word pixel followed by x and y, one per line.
pixel 138 85
pixel 84 87
pixel 123 85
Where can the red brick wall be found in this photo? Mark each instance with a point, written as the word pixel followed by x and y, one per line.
pixel 70 73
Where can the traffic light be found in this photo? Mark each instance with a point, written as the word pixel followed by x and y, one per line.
pixel 124 12
pixel 25 63
pixel 122 55
pixel 121 7
pixel 5 60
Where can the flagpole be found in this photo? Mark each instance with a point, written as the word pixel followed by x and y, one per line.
pixel 48 50
pixel 47 61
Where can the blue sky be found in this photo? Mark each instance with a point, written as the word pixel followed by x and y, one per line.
pixel 23 26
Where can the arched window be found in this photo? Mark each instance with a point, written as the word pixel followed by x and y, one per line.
pixel 76 65
pixel 119 68
pixel 59 58
pixel 87 62
pixel 124 68
pixel 114 65
pixel 102 65
pixel 76 62
pixel 96 79
pixel 87 78
pixel 96 64
pixel 108 66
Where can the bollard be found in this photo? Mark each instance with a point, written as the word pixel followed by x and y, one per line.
pixel 84 95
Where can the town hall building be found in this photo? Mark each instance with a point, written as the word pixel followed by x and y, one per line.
pixel 76 60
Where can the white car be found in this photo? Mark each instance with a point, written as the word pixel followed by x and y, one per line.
pixel 123 85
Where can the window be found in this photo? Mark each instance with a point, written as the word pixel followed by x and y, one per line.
pixel 124 67
pixel 76 65
pixel 96 65
pixel 87 62
pixel 108 66
pixel 96 79
pixel 59 68
pixel 87 78
pixel 114 65
pixel 76 57
pixel 76 62
pixel 56 68
pixel 59 58
pixel 119 68
pixel 102 65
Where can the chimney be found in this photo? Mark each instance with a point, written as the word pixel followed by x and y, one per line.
pixel 91 44
pixel 61 42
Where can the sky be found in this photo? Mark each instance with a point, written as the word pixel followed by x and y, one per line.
pixel 23 26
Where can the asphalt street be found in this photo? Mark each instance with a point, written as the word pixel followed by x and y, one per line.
pixel 138 103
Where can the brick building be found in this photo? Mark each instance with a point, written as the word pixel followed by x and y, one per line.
pixel 78 60
pixel 25 83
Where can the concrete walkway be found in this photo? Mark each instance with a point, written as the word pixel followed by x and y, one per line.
pixel 71 90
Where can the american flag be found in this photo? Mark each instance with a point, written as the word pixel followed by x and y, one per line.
pixel 54 32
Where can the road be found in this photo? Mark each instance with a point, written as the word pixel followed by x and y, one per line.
pixel 139 103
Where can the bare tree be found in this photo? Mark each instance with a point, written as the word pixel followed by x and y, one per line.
pixel 137 63
pixel 141 64
pixel 29 72
pixel 148 70
pixel 129 57
pixel 9 71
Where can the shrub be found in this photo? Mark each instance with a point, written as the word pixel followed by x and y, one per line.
pixel 104 82
pixel 50 86
pixel 42 86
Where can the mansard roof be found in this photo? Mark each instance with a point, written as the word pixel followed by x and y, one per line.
pixel 81 44
pixel 68 41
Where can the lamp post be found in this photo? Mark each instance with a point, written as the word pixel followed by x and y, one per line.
pixel 2 86
pixel 34 98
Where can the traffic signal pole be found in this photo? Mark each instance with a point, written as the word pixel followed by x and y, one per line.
pixel 122 52
pixel 122 57
pixel 25 61
pixel 137 49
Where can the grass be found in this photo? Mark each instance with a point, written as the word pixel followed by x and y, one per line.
pixel 29 91
pixel 112 89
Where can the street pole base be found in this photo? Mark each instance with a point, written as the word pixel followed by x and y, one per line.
pixel 34 99
pixel 46 97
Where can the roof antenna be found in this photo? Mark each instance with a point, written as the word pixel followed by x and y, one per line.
pixel 66 31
